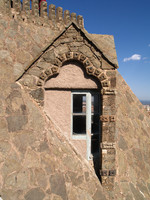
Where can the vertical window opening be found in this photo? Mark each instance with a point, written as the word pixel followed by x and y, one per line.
pixel 85 120
pixel 79 114
pixel 11 4
pixel 95 124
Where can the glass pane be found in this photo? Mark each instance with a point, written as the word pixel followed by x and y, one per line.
pixel 95 103
pixel 79 103
pixel 95 144
pixel 79 124
pixel 95 124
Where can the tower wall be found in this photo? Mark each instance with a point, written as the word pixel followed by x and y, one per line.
pixel 36 160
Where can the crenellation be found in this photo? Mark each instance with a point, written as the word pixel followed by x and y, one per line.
pixel 59 14
pixel 17 5
pixel 26 6
pixel 67 18
pixel 43 9
pixel 2 4
pixel 74 17
pixel 7 5
pixel 52 12
pixel 35 8
pixel 80 21
pixel 22 11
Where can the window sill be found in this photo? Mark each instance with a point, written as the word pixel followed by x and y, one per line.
pixel 78 137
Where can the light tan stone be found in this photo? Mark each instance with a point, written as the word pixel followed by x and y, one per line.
pixel 3 129
pixel 32 159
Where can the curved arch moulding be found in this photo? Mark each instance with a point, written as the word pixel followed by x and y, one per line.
pixel 90 68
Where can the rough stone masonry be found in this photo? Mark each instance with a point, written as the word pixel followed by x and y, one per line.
pixel 37 160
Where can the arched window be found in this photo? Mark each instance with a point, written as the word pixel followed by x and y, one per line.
pixel 73 101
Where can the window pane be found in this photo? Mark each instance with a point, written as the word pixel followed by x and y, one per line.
pixel 79 124
pixel 95 144
pixel 79 103
pixel 95 128
pixel 95 103
pixel 95 124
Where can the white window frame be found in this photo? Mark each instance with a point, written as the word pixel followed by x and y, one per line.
pixel 87 135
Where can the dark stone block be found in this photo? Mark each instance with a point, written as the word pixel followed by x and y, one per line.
pixel 122 143
pixel 141 117
pixel 36 194
pixel 13 94
pixel 104 172
pixel 49 56
pixel 16 123
pixel 75 178
pixel 38 94
pixel 112 172
pixel 24 109
pixel 15 103
pixel 43 147
pixel 58 186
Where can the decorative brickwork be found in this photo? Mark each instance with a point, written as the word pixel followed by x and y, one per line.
pixel 107 118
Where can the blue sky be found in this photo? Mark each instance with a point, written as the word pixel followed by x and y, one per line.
pixel 129 22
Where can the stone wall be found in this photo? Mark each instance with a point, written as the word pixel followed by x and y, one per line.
pixel 132 145
pixel 36 160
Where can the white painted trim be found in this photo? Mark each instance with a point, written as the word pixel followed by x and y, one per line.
pixel 79 137
pixel 88 134
pixel 88 125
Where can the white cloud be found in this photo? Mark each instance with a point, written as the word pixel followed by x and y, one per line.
pixel 133 57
